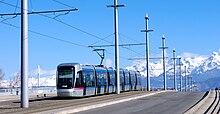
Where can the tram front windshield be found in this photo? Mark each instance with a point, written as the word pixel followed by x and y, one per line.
pixel 65 77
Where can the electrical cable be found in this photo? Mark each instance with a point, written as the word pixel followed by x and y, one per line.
pixel 102 39
pixel 129 38
pixel 90 34
pixel 51 37
pixel 119 55
pixel 131 49
pixel 32 8
pixel 16 6
pixel 63 4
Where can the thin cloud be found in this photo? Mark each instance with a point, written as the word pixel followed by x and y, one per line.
pixel 108 63
pixel 188 54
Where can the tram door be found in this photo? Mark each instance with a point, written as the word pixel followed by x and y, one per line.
pixel 98 83
pixel 102 82
pixel 98 89
pixel 88 83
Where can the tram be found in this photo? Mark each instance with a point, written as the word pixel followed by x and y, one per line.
pixel 76 80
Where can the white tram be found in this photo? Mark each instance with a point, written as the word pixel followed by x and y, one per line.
pixel 76 80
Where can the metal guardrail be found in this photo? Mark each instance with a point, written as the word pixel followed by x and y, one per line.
pixel 210 104
pixel 215 106
pixel 193 109
pixel 31 90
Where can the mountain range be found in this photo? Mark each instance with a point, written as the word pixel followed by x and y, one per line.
pixel 204 70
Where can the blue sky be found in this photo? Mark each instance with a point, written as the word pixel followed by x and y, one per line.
pixel 188 25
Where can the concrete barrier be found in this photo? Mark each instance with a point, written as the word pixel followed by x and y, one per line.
pixel 211 103
pixel 193 109
pixel 216 105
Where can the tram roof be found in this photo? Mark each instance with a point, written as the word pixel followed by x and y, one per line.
pixel 67 64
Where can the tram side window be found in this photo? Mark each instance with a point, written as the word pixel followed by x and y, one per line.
pixel 104 79
pixel 101 78
pixel 126 78
pixel 98 79
pixel 132 79
pixel 112 79
pixel 79 79
pixel 89 79
pixel 139 79
pixel 121 78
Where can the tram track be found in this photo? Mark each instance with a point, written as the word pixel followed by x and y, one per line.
pixel 39 105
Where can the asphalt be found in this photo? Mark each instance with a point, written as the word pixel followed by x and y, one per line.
pixel 163 103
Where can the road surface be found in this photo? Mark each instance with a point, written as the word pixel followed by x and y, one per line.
pixel 163 103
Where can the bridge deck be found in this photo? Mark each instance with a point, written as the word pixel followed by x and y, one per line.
pixel 53 104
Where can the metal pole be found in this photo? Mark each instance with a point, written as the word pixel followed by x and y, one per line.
pixel 24 54
pixel 185 79
pixel 38 74
pixel 188 82
pixel 164 67
pixel 117 66
pixel 116 46
pixel 147 54
pixel 174 68
pixel 180 74
pixel 191 84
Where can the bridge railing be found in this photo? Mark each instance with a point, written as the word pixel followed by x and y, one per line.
pixel 209 104
pixel 31 90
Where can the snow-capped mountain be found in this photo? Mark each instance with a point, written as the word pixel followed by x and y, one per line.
pixel 204 70
pixel 44 81
pixel 194 65
pixel 32 81
pixel 210 63
pixel 155 68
